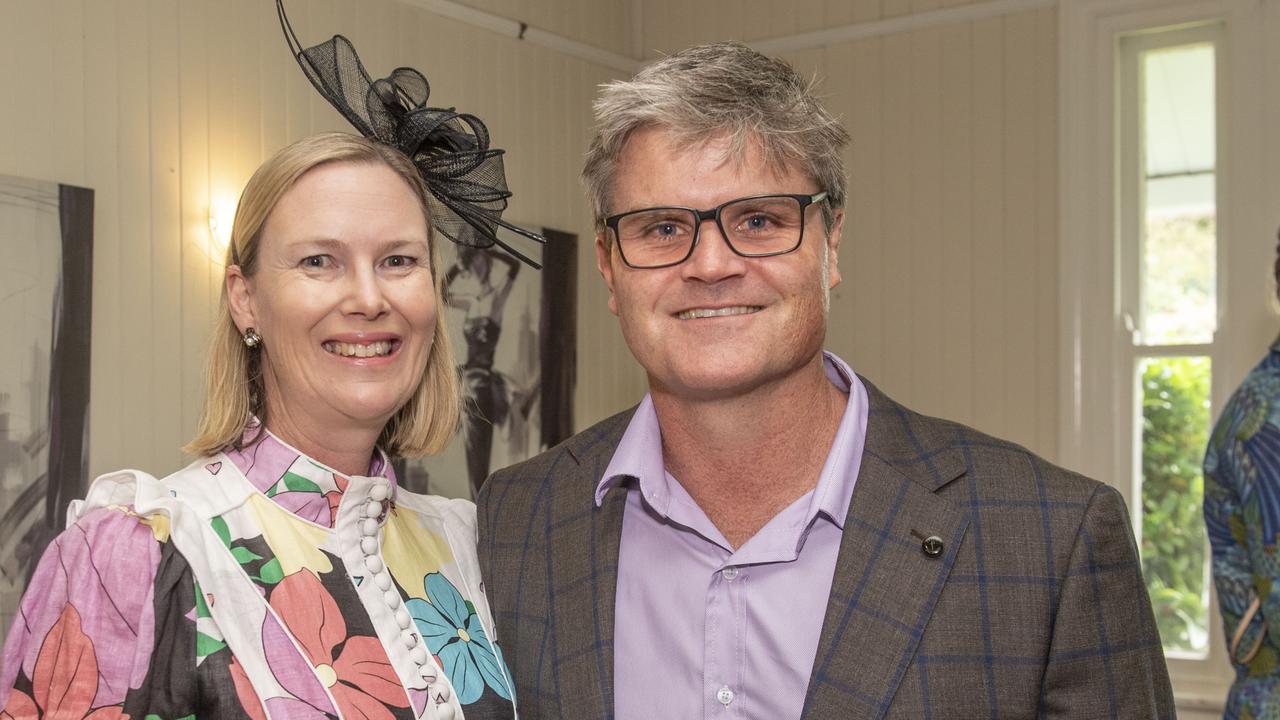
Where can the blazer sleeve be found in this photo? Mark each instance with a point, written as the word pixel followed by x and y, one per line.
pixel 1105 658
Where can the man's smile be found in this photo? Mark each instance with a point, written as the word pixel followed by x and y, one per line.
pixel 696 313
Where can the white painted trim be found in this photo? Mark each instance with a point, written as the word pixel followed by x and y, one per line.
pixel 455 10
pixel 523 31
pixel 895 25
pixel 1093 343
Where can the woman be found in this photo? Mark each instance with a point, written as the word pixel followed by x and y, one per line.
pixel 284 574
pixel 469 286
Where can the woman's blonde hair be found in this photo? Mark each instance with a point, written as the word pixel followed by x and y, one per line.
pixel 233 386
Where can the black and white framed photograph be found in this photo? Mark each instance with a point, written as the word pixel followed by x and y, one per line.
pixel 46 292
pixel 513 330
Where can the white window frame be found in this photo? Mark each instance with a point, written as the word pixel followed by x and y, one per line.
pixel 1097 352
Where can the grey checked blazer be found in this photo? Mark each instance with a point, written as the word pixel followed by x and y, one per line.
pixel 1035 608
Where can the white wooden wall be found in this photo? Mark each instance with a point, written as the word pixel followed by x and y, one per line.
pixel 164 106
pixel 950 293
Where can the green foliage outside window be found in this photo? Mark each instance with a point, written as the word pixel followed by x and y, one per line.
pixel 1175 424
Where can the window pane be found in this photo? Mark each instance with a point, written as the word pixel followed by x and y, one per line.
pixel 1175 425
pixel 1179 243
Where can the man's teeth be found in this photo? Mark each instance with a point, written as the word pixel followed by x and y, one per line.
pixel 377 349
pixel 718 312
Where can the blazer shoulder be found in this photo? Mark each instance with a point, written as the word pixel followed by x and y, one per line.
pixel 941 450
pixel 600 438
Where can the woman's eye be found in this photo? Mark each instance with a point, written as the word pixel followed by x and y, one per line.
pixel 316 261
pixel 401 261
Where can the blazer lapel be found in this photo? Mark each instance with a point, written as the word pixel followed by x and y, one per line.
pixel 885 585
pixel 584 576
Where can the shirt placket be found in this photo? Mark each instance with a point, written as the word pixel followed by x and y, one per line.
pixel 724 644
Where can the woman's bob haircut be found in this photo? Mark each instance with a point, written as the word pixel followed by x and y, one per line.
pixel 233 385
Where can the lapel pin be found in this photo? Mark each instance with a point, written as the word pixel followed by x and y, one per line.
pixel 932 546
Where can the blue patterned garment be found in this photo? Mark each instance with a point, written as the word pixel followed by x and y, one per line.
pixel 1242 512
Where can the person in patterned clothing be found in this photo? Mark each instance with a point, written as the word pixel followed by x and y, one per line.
pixel 284 574
pixel 1242 513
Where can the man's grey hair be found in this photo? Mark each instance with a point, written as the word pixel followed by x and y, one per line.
pixel 719 90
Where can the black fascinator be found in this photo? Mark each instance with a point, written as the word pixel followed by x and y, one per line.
pixel 465 177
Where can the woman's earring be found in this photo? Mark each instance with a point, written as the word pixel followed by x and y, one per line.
pixel 251 338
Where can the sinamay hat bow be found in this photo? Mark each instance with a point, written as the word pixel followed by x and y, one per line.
pixel 464 175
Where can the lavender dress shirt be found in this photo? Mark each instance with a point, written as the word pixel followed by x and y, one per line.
pixel 702 630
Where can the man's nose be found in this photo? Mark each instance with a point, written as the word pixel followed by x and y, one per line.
pixel 712 259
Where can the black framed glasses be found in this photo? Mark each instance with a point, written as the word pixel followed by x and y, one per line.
pixel 756 226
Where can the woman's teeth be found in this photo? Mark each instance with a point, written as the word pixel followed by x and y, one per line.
pixel 718 312
pixel 377 349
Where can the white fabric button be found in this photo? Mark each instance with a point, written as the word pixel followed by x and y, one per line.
pixel 403 619
pixel 428 673
pixel 369 527
pixel 379 491
pixel 730 572
pixel 373 564
pixel 725 695
pixel 445 712
pixel 369 545
pixel 372 509
pixel 383 581
pixel 410 640
pixel 442 692
pixel 392 598
pixel 418 654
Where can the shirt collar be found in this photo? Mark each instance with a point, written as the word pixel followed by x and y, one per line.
pixel 639 453
pixel 300 484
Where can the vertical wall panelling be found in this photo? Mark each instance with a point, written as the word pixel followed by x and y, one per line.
pixel 199 252
pixel 134 362
pixel 925 213
pixel 921 6
pixel 165 382
pixel 894 8
pixel 955 118
pixel 101 124
pixel 864 236
pixel 896 202
pixel 1046 232
pixel 865 10
pixel 989 311
pixel 950 247
pixel 165 108
pixel 64 117
pixel 1018 261
pixel 274 72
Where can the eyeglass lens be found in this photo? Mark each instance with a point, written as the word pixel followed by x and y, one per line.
pixel 753 227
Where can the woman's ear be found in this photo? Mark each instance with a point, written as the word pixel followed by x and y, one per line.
pixel 240 298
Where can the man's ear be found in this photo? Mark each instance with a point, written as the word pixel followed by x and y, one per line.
pixel 604 263
pixel 833 250
pixel 240 298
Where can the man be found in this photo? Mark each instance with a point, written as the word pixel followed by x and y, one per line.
pixel 767 535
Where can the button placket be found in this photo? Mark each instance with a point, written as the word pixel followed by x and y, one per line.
pixel 374 512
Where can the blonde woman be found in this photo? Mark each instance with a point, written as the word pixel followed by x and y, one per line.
pixel 284 574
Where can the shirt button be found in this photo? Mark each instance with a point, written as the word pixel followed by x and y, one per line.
pixel 725 695
pixel 730 573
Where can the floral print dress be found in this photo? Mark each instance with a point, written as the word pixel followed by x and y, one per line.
pixel 257 584
pixel 1242 512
